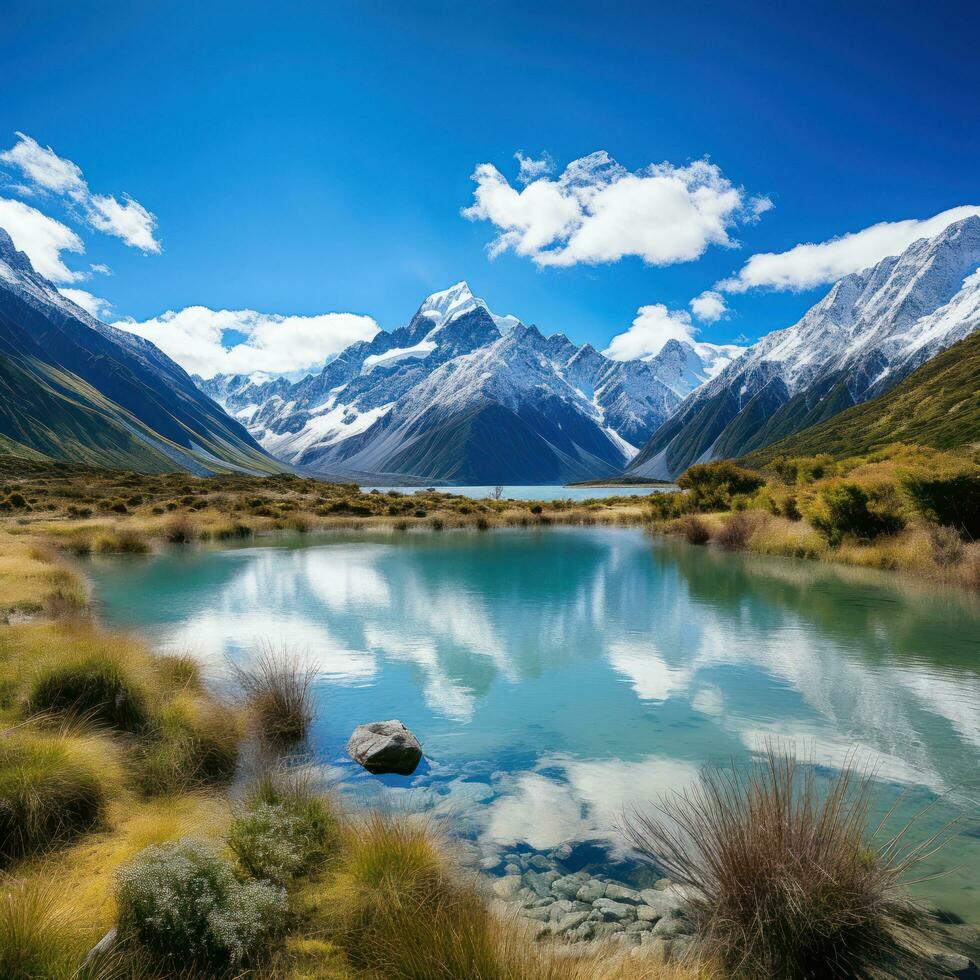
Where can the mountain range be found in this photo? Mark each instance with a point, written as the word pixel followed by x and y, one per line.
pixel 868 333
pixel 462 395
pixel 74 388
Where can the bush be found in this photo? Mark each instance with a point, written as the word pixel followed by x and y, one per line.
pixel 953 501
pixel 846 509
pixel 279 691
pixel 284 830
pixel 183 902
pixel 736 531
pixel 711 486
pixel 786 879
pixel 180 531
pixel 189 743
pixel 96 687
pixel 50 791
pixel 695 531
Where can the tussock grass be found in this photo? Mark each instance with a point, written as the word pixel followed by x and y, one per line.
pixel 38 932
pixel 278 689
pixel 53 787
pixel 192 741
pixel 32 578
pixel 95 685
pixel 789 878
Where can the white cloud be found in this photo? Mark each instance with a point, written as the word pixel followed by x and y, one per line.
pixel 816 264
pixel 42 238
pixel 598 211
pixel 93 305
pixel 709 306
pixel 276 344
pixel 653 327
pixel 531 169
pixel 46 171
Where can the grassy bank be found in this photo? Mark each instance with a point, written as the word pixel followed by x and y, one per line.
pixel 904 509
pixel 130 798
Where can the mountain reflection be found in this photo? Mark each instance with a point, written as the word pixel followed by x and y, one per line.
pixel 557 677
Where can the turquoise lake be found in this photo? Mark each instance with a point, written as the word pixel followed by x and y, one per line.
pixel 557 676
pixel 548 492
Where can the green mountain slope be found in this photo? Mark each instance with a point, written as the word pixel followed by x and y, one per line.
pixel 937 405
pixel 73 388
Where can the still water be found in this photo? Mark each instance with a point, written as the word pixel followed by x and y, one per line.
pixel 557 676
pixel 549 492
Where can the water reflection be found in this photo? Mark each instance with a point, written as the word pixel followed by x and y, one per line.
pixel 556 677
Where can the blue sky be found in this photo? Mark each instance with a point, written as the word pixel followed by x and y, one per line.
pixel 312 158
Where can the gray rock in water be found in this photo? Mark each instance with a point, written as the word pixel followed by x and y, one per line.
pixel 508 886
pixel 666 903
pixel 956 965
pixel 385 746
pixel 614 911
pixel 620 893
pixel 591 890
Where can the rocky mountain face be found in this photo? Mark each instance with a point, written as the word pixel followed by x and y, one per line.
pixel 871 330
pixel 74 388
pixel 463 395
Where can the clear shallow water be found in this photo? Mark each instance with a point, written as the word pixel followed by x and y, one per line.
pixel 538 493
pixel 557 676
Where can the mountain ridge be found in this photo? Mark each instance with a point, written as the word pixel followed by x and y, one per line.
pixel 458 378
pixel 872 329
pixel 74 388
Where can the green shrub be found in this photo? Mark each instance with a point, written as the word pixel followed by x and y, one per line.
pixel 711 486
pixel 952 501
pixel 283 831
pixel 50 790
pixel 183 902
pixel 95 687
pixel 846 509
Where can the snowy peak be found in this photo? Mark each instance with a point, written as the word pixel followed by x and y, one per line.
pixel 872 329
pixel 443 307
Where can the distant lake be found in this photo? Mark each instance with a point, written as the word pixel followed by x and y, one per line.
pixel 537 493
pixel 556 676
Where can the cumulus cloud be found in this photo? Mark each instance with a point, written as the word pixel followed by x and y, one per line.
pixel 93 305
pixel 709 306
pixel 531 169
pixel 196 338
pixel 598 211
pixel 653 327
pixel 816 264
pixel 43 239
pixel 45 171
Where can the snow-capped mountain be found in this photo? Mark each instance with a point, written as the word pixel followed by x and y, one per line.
pixel 462 395
pixel 871 330
pixel 74 388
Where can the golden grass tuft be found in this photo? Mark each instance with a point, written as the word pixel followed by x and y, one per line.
pixel 788 876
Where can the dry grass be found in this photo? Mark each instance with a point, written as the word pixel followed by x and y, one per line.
pixel 278 689
pixel 788 877
pixel 38 932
